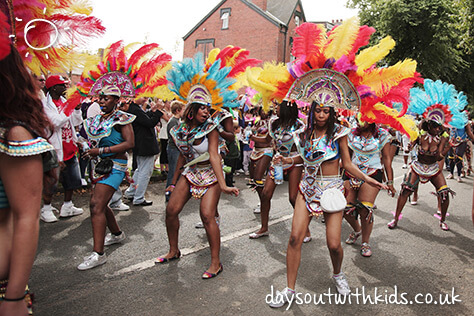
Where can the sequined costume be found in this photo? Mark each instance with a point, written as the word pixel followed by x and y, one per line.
pixel 102 133
pixel 366 154
pixel 314 152
pixel 31 147
pixel 284 142
pixel 200 177
pixel 261 130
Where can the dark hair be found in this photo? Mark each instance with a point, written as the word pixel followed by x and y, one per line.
pixel 331 123
pixel 427 124
pixel 371 127
pixel 288 115
pixel 191 111
pixel 19 98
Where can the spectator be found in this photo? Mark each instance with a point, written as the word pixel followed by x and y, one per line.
pixel 163 136
pixel 177 110
pixel 64 141
pixel 145 150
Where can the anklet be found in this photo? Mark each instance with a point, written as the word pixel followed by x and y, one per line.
pixel 14 299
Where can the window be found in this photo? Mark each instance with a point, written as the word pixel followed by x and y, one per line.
pixel 297 20
pixel 225 14
pixel 205 46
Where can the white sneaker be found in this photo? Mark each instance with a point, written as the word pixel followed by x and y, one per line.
pixel 341 284
pixel 201 225
pixel 70 210
pixel 450 176
pixel 48 216
pixel 121 207
pixel 83 182
pixel 111 239
pixel 404 166
pixel 92 261
pixel 257 210
pixel 281 298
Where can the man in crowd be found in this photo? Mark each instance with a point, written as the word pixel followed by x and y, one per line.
pixel 63 138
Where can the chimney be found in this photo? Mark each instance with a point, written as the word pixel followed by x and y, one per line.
pixel 262 4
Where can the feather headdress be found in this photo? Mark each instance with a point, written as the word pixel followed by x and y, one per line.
pixel 440 102
pixel 45 32
pixel 210 82
pixel 136 71
pixel 372 88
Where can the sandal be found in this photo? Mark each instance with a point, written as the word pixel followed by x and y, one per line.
pixel 392 224
pixel 208 275
pixel 353 237
pixel 443 226
pixel 161 260
pixel 365 250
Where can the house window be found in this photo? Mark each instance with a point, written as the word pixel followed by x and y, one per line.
pixel 205 46
pixel 297 20
pixel 225 14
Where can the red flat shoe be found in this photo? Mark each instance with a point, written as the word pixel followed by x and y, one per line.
pixel 161 260
pixel 208 275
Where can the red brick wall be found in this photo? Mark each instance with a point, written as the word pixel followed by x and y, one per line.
pixel 247 29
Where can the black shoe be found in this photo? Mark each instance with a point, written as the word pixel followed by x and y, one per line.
pixel 144 203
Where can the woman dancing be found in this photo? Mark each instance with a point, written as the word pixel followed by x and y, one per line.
pixel 281 132
pixel 439 104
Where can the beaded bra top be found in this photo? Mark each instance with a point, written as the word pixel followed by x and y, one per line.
pixel 184 137
pixel 366 151
pixel 284 137
pixel 96 129
pixel 315 151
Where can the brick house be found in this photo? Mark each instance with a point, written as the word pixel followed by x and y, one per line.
pixel 264 27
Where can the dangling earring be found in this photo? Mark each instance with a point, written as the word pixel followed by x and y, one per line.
pixel 190 115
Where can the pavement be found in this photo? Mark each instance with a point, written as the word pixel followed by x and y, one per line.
pixel 411 266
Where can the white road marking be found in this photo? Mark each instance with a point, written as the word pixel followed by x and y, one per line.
pixel 187 251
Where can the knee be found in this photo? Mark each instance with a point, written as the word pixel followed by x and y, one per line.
pixel 334 248
pixel 292 199
pixel 295 241
pixel 171 211
pixel 95 207
pixel 206 219
pixel 266 195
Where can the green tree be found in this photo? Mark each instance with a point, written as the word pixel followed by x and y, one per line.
pixel 432 32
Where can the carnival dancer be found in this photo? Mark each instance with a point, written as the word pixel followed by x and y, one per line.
pixel 281 129
pixel 25 155
pixel 318 77
pixel 459 144
pixel 127 73
pixel 440 104
pixel 370 146
pixel 113 132
pixel 201 86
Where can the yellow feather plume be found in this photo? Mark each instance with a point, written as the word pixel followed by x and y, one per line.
pixel 382 79
pixel 370 56
pixel 211 58
pixel 342 38
pixel 81 7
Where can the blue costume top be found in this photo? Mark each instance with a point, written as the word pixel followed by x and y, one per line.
pixel 366 151
pixel 284 137
pixel 315 151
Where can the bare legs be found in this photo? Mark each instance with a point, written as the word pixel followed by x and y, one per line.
pixel 208 207
pixel 101 215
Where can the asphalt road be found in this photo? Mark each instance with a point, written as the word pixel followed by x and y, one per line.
pixel 410 268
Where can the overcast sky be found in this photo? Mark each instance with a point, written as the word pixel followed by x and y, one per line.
pixel 166 21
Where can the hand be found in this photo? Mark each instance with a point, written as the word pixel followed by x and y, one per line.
pixel 231 190
pixel 376 184
pixel 277 159
pixel 62 165
pixel 93 152
pixel 170 188
pixel 391 190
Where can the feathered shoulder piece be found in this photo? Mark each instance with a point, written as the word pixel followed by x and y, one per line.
pixel 210 82
pixel 45 32
pixel 138 71
pixel 342 51
pixel 439 102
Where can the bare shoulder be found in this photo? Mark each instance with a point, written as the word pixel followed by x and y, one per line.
pixel 19 133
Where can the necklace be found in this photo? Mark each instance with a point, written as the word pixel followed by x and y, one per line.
pixel 106 116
